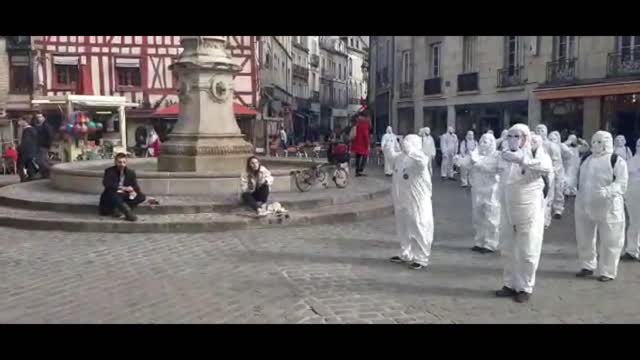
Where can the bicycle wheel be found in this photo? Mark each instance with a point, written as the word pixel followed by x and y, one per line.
pixel 304 180
pixel 340 178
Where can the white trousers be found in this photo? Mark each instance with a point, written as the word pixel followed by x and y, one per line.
pixel 464 176
pixel 485 218
pixel 520 247
pixel 558 192
pixel 416 235
pixel 633 232
pixel 446 169
pixel 606 259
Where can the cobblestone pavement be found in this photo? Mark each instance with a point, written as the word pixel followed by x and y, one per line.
pixel 319 274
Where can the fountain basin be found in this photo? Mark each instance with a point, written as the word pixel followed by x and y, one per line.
pixel 86 177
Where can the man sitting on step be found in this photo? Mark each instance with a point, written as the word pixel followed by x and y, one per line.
pixel 121 191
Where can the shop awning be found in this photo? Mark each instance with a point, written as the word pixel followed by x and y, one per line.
pixel 592 90
pixel 172 111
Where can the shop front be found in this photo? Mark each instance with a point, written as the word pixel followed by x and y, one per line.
pixel 564 116
pixel 621 116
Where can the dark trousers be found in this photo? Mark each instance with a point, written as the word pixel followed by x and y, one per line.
pixel 256 198
pixel 361 162
pixel 110 200
pixel 43 162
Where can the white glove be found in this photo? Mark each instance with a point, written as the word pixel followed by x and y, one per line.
pixel 474 156
pixel 604 192
pixel 513 156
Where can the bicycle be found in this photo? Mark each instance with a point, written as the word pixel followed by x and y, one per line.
pixel 319 173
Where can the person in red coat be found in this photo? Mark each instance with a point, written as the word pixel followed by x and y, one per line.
pixel 360 142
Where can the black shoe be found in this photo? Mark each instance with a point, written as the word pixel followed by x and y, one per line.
pixel 416 266
pixel 388 175
pixel 128 213
pixel 628 257
pixel 522 297
pixel 452 179
pixel 476 249
pixel 444 178
pixel 485 251
pixel 584 273
pixel 116 214
pixel 506 292
pixel 604 278
pixel 397 260
pixel 557 216
pixel 358 174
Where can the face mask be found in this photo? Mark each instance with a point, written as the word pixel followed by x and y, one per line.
pixel 597 147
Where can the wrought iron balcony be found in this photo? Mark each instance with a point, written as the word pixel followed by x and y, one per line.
pixel 315 96
pixel 406 90
pixel 560 71
pixel 314 60
pixel 18 42
pixel 300 72
pixel 433 86
pixel 623 63
pixel 511 76
pixel 468 82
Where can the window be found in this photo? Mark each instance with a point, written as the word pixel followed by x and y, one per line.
pixel 406 67
pixel 629 47
pixel 435 60
pixel 512 54
pixel 350 67
pixel 66 75
pixel 20 74
pixel 351 42
pixel 468 54
pixel 128 72
pixel 340 71
pixel 357 44
pixel 564 48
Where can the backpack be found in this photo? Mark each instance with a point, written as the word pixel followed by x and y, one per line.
pixel 614 159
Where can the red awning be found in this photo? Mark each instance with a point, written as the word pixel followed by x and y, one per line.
pixel 172 111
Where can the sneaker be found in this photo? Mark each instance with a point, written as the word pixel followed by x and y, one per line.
pixel 476 249
pixel 584 273
pixel 506 292
pixel 262 211
pixel 522 297
pixel 557 216
pixel 628 257
pixel 416 266
pixel 605 279
pixel 397 260
pixel 485 251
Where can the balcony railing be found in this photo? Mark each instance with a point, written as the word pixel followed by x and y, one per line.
pixel 314 60
pixel 406 90
pixel 328 74
pixel 468 82
pixel 433 86
pixel 300 72
pixel 511 76
pixel 624 63
pixel 560 71
pixel 315 96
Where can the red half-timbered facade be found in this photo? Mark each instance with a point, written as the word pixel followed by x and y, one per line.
pixel 136 67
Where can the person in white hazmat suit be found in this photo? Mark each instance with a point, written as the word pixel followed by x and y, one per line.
pixel 565 154
pixel 599 207
pixel 556 205
pixel 449 149
pixel 577 147
pixel 485 207
pixel 521 194
pixel 428 145
pixel 411 191
pixel 501 143
pixel 632 200
pixel 621 148
pixel 537 149
pixel 466 147
pixel 389 137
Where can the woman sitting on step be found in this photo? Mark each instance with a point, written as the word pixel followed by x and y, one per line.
pixel 256 185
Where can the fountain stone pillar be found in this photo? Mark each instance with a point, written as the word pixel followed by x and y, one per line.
pixel 206 137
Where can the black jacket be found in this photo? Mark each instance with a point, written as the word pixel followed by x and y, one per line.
pixel 45 135
pixel 28 148
pixel 112 178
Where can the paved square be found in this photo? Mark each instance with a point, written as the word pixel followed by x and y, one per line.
pixel 319 274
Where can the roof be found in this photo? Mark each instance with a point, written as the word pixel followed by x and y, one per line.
pixel 172 111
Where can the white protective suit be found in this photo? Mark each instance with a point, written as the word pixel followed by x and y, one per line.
pixel 466 147
pixel 632 200
pixel 389 137
pixel 600 207
pixel 501 143
pixel 449 148
pixel 485 207
pixel 556 205
pixel 428 145
pixel 620 147
pixel 412 199
pixel 536 144
pixel 566 155
pixel 577 147
pixel 522 209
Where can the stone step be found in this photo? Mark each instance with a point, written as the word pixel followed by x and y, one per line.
pixel 191 223
pixel 39 195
